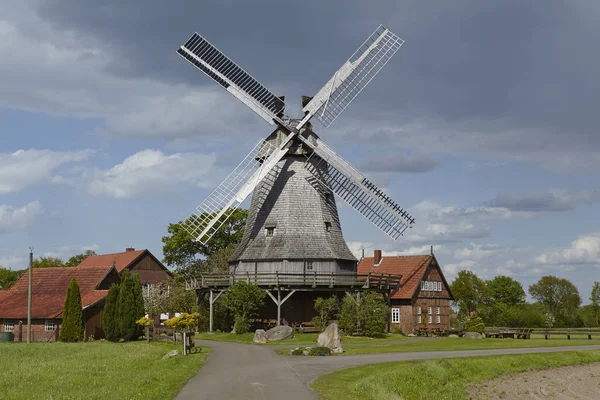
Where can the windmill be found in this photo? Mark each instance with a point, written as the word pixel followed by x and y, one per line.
pixel 293 222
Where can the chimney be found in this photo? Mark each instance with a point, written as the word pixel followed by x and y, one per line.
pixel 130 249
pixel 377 257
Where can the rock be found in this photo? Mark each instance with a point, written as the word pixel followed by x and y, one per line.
pixel 411 335
pixel 473 335
pixel 259 336
pixel 172 353
pixel 282 332
pixel 452 335
pixel 331 338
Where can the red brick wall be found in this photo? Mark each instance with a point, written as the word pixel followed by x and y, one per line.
pixel 38 332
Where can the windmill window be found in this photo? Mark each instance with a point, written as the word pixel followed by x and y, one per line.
pixel 270 232
pixel 327 226
pixel 308 265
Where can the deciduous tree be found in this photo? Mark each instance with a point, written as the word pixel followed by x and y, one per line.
pixel 8 277
pixel 325 308
pixel 71 329
pixel 558 295
pixel 506 290
pixel 48 262
pixel 244 300
pixel 469 291
pixel 78 258
pixel 595 299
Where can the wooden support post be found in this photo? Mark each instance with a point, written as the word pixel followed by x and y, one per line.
pixel 590 333
pixel 569 334
pixel 278 307
pixel 210 312
pixel 331 281
pixel 279 302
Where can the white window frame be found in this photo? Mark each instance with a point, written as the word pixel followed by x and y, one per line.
pixel 437 311
pixel 437 319
pixel 49 325
pixel 419 319
pixel 9 325
pixel 422 285
pixel 426 286
pixel 419 310
pixel 395 315
pixel 429 310
pixel 429 318
pixel 439 286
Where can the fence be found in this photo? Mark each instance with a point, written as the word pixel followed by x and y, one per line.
pixel 588 333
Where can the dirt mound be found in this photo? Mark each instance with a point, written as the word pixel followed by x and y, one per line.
pixel 574 382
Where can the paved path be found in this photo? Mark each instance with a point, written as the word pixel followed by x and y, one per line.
pixel 244 371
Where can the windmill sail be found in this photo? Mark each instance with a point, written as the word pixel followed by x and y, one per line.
pixel 208 59
pixel 354 75
pixel 358 191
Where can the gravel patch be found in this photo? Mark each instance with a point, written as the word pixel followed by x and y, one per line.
pixel 573 382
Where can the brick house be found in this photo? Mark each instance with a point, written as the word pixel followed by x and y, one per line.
pixel 423 300
pixel 49 289
pixel 94 275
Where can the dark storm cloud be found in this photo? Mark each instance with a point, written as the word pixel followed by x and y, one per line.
pixel 505 65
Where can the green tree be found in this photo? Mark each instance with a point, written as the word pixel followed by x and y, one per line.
pixel 595 299
pixel 244 300
pixel 325 308
pixel 127 308
pixel 71 329
pixel 475 324
pixel 78 258
pixel 372 313
pixel 8 277
pixel 139 302
pixel 506 290
pixel 109 314
pixel 348 316
pixel 181 251
pixel 469 291
pixel 558 295
pixel 48 262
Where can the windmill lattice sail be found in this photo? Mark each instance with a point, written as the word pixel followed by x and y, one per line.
pixel 356 190
pixel 354 75
pixel 208 59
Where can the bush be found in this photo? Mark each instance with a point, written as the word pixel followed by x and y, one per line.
pixel 72 324
pixel 319 351
pixel 244 300
pixel 297 352
pixel 325 308
pixel 475 324
pixel 367 318
pixel 348 316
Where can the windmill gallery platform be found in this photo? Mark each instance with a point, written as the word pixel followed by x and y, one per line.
pixel 281 286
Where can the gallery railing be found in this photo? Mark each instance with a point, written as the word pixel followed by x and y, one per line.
pixel 297 280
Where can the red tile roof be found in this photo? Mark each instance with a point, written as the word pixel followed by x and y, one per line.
pixel 49 288
pixel 120 260
pixel 410 267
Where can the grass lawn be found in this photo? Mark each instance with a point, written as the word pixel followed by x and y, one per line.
pixel 435 379
pixel 94 370
pixel 454 344
pixel 299 339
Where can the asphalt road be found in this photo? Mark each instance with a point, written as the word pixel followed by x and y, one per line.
pixel 244 371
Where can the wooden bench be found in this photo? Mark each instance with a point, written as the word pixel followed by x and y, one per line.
pixel 524 333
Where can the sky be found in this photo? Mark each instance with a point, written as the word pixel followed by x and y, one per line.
pixel 484 125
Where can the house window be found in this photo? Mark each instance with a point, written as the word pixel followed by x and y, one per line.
pixel 419 319
pixel 437 311
pixel 327 226
pixel 429 318
pixel 437 319
pixel 422 285
pixel 270 232
pixel 429 310
pixel 419 310
pixel 9 325
pixel 395 315
pixel 308 265
pixel 49 326
pixel 426 285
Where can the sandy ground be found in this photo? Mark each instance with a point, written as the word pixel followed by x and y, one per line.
pixel 575 382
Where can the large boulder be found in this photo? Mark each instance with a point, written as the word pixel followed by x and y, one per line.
pixel 259 336
pixel 282 332
pixel 331 338
pixel 473 335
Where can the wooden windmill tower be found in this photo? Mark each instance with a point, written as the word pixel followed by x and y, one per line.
pixel 293 223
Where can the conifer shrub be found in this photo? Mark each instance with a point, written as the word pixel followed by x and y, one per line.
pixel 475 324
pixel 138 296
pixel 109 315
pixel 71 329
pixel 128 310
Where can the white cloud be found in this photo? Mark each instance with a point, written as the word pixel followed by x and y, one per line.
pixel 29 167
pixel 584 250
pixel 151 171
pixel 19 218
pixel 65 252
